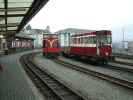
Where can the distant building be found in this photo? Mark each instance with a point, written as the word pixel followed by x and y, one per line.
pixel 64 35
pixel 37 34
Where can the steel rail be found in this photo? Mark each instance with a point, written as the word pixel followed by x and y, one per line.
pixel 33 69
pixel 118 68
pixel 123 56
pixel 59 90
pixel 97 74
pixel 124 63
pixel 115 67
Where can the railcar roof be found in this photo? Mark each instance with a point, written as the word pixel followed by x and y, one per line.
pixel 93 33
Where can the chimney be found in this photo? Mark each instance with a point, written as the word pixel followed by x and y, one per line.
pixel 28 27
pixel 48 28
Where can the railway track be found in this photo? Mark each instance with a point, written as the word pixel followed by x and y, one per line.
pixel 119 68
pixel 113 66
pixel 110 66
pixel 124 63
pixel 124 56
pixel 49 86
pixel 115 80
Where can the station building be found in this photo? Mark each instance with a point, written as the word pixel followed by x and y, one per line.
pixel 37 34
pixel 20 42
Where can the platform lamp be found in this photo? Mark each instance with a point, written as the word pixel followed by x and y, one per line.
pixel 123 38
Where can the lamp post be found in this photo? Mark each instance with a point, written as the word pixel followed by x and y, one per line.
pixel 123 38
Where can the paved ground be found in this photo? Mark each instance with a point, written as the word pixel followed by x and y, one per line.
pixel 14 82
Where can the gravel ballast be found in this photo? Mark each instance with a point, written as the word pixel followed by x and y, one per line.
pixel 94 88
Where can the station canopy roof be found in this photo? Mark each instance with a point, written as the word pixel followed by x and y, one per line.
pixel 15 14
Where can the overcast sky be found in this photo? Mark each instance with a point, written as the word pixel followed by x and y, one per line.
pixel 87 14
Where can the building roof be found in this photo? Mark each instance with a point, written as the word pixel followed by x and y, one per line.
pixel 15 14
pixel 74 30
pixel 23 35
pixel 39 31
pixel 42 30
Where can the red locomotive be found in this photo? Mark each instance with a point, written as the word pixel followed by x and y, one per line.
pixel 95 46
pixel 50 45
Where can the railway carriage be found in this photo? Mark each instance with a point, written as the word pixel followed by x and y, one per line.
pixel 95 46
pixel 50 45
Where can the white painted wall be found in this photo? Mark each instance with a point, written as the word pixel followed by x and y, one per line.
pixel 65 38
pixel 62 40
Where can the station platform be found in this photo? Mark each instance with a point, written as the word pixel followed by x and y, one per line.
pixel 14 82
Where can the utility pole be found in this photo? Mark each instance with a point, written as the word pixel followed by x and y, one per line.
pixel 123 38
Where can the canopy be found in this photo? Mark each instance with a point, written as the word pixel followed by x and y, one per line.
pixel 15 14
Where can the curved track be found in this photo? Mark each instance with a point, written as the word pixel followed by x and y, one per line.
pixel 50 87
pixel 97 74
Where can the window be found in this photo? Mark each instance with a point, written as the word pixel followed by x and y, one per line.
pixel 54 36
pixel 89 40
pixel 94 39
pixel 78 40
pixel 72 41
pixel 84 40
pixel 105 39
pixel 75 41
pixel 81 40
pixel 46 36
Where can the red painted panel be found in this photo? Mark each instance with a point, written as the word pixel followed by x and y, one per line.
pixel 104 50
pixel 51 50
pixel 54 49
pixel 55 44
pixel 90 51
pixel 45 50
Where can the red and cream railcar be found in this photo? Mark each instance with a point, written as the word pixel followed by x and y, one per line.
pixel 95 46
pixel 50 45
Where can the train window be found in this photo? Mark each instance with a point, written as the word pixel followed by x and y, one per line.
pixel 105 39
pixel 78 40
pixel 81 40
pixel 75 40
pixel 72 41
pixel 84 40
pixel 109 39
pixel 89 40
pixel 46 36
pixel 54 36
pixel 94 39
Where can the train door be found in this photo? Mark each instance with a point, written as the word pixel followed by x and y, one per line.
pixel 98 43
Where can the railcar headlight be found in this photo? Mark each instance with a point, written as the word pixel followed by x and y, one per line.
pixel 106 53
